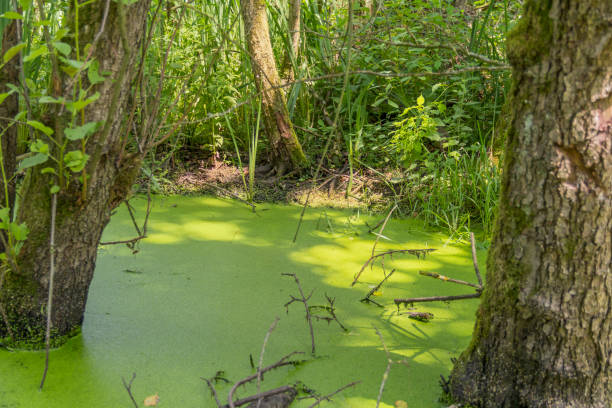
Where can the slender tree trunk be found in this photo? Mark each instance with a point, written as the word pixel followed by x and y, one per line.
pixel 291 56
pixel 543 335
pixel 286 151
pixel 79 221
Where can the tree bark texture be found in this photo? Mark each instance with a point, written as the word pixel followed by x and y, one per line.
pixel 293 23
pixel 543 335
pixel 286 151
pixel 79 221
pixel 9 74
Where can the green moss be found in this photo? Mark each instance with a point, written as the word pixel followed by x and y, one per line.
pixel 530 39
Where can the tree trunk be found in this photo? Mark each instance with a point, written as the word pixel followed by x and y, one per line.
pixel 291 56
pixel 9 74
pixel 286 151
pixel 543 335
pixel 80 220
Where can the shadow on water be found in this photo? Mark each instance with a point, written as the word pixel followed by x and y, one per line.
pixel 205 286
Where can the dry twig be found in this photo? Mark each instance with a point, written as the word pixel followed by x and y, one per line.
pixel 390 362
pixel 128 388
pixel 328 396
pixel 304 299
pixel 280 363
pixel 416 252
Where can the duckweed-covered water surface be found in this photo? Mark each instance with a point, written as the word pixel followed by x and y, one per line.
pixel 201 292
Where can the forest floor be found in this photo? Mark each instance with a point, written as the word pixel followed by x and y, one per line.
pixel 368 189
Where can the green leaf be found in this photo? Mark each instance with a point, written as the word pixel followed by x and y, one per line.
pixel 20 115
pixel 48 99
pixel 4 95
pixel 75 160
pixel 61 33
pixel 54 189
pixel 20 232
pixel 420 101
pixel 11 15
pixel 40 51
pixel 81 132
pixel 81 104
pixel 393 104
pixel 92 73
pixel 32 161
pixel 39 126
pixel 39 147
pixel 62 47
pixel 48 170
pixel 74 63
pixel 11 52
pixel 25 4
pixel 4 214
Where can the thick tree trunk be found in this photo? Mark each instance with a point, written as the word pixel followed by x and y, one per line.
pixel 9 74
pixel 286 151
pixel 79 221
pixel 543 336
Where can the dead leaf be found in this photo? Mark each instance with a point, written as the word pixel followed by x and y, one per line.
pixel 401 404
pixel 151 400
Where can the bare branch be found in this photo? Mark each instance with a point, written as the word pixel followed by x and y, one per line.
pixel 436 298
pixel 280 363
pixel 304 300
pixel 447 279
pixel 475 259
pixel 261 356
pixel 128 388
pixel 50 293
pixel 416 252
pixel 328 396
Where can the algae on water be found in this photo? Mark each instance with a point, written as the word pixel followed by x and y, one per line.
pixel 201 293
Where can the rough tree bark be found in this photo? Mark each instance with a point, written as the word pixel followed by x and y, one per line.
pixel 543 336
pixel 291 54
pixel 80 220
pixel 285 149
pixel 9 74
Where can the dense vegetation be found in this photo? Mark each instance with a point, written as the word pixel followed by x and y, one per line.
pixel 417 109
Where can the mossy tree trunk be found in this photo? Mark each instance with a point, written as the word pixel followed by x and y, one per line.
pixel 81 217
pixel 543 335
pixel 285 149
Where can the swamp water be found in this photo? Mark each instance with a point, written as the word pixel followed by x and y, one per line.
pixel 206 285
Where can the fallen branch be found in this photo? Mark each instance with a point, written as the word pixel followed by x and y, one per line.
pixel 219 376
pixel 141 234
pixel 475 260
pixel 390 362
pixel 331 310
pixel 261 395
pixel 328 396
pixel 280 363
pixel 261 356
pixel 382 228
pixel 416 252
pixel 447 279
pixel 303 300
pixel 435 298
pixel 128 388
pixel 479 288
pixel 375 289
